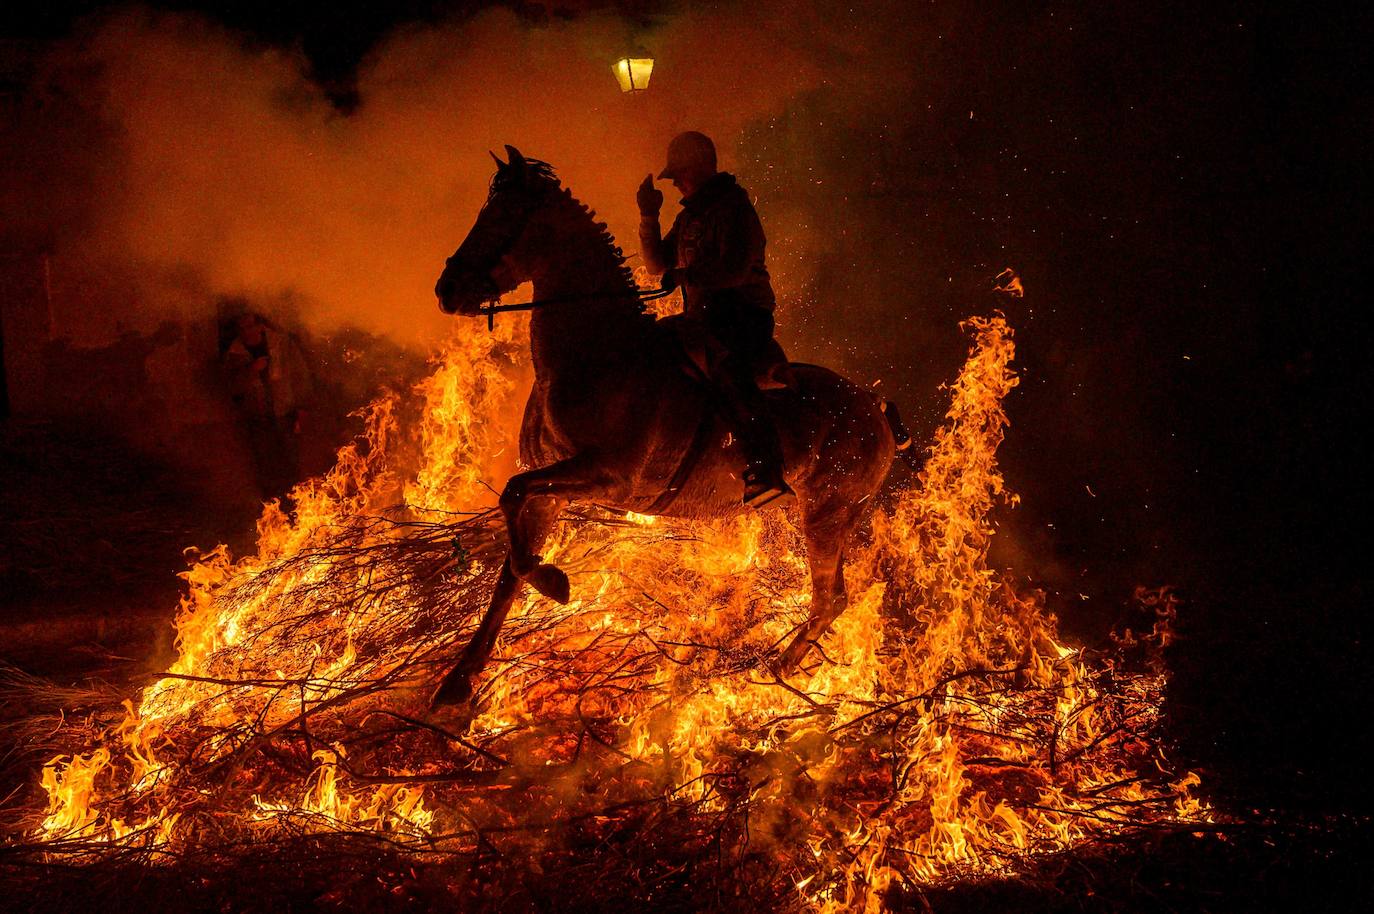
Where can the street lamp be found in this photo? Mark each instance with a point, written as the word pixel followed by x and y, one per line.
pixel 632 72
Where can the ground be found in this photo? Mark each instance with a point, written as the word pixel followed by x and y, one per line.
pixel 92 543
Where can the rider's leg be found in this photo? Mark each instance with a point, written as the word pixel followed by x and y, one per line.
pixel 743 333
pixel 758 438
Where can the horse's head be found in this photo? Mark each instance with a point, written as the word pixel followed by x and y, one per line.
pixel 495 256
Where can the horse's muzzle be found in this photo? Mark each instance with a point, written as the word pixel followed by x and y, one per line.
pixel 464 296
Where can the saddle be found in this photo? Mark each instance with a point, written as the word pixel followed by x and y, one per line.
pixel 695 348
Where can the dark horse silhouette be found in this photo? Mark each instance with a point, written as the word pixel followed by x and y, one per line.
pixel 615 419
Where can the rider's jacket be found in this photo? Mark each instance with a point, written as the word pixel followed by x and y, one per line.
pixel 717 240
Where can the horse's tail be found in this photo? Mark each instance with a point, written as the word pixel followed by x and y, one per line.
pixel 900 435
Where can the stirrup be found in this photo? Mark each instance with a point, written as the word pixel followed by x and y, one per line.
pixel 759 491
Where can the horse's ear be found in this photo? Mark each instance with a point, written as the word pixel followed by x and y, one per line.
pixel 497 159
pixel 516 158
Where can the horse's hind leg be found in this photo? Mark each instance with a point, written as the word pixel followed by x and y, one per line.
pixel 534 523
pixel 827 527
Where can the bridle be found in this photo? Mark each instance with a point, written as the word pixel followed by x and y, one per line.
pixel 493 309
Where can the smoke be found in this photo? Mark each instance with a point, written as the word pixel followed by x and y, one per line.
pixel 185 163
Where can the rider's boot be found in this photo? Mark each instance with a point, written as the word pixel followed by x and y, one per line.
pixel 763 485
pixel 758 439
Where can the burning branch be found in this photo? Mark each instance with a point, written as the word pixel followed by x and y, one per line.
pixel 633 736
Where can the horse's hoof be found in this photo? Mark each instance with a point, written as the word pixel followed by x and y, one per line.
pixel 456 689
pixel 787 662
pixel 551 582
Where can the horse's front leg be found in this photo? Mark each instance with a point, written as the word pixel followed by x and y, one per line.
pixel 456 687
pixel 533 526
pixel 531 503
pixel 580 477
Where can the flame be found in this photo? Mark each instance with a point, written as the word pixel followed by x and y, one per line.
pixel 946 730
pixel 395 809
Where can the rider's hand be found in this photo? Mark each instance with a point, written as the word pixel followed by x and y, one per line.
pixel 649 198
pixel 672 279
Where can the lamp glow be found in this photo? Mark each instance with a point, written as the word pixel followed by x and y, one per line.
pixel 633 73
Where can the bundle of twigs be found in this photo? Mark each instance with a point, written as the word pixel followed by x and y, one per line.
pixel 553 788
pixel 634 742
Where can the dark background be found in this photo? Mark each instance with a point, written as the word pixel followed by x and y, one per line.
pixel 1183 191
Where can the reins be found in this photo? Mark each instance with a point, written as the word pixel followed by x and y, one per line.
pixel 492 310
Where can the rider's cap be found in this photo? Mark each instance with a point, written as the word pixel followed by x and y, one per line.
pixel 689 150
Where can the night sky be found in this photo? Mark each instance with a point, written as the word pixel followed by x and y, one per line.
pixel 1182 189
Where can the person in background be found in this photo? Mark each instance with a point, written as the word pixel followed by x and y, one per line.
pixel 270 382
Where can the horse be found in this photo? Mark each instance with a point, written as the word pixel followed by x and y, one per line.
pixel 615 418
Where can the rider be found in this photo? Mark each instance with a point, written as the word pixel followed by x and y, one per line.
pixel 714 251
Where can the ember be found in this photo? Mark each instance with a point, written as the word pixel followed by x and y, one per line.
pixel 946 729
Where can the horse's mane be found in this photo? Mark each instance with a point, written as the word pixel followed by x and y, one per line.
pixel 539 172
pixel 536 168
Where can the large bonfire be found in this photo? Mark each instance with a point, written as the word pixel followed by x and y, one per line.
pixel 636 733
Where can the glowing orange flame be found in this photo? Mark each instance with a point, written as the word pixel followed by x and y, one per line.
pixel 948 729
